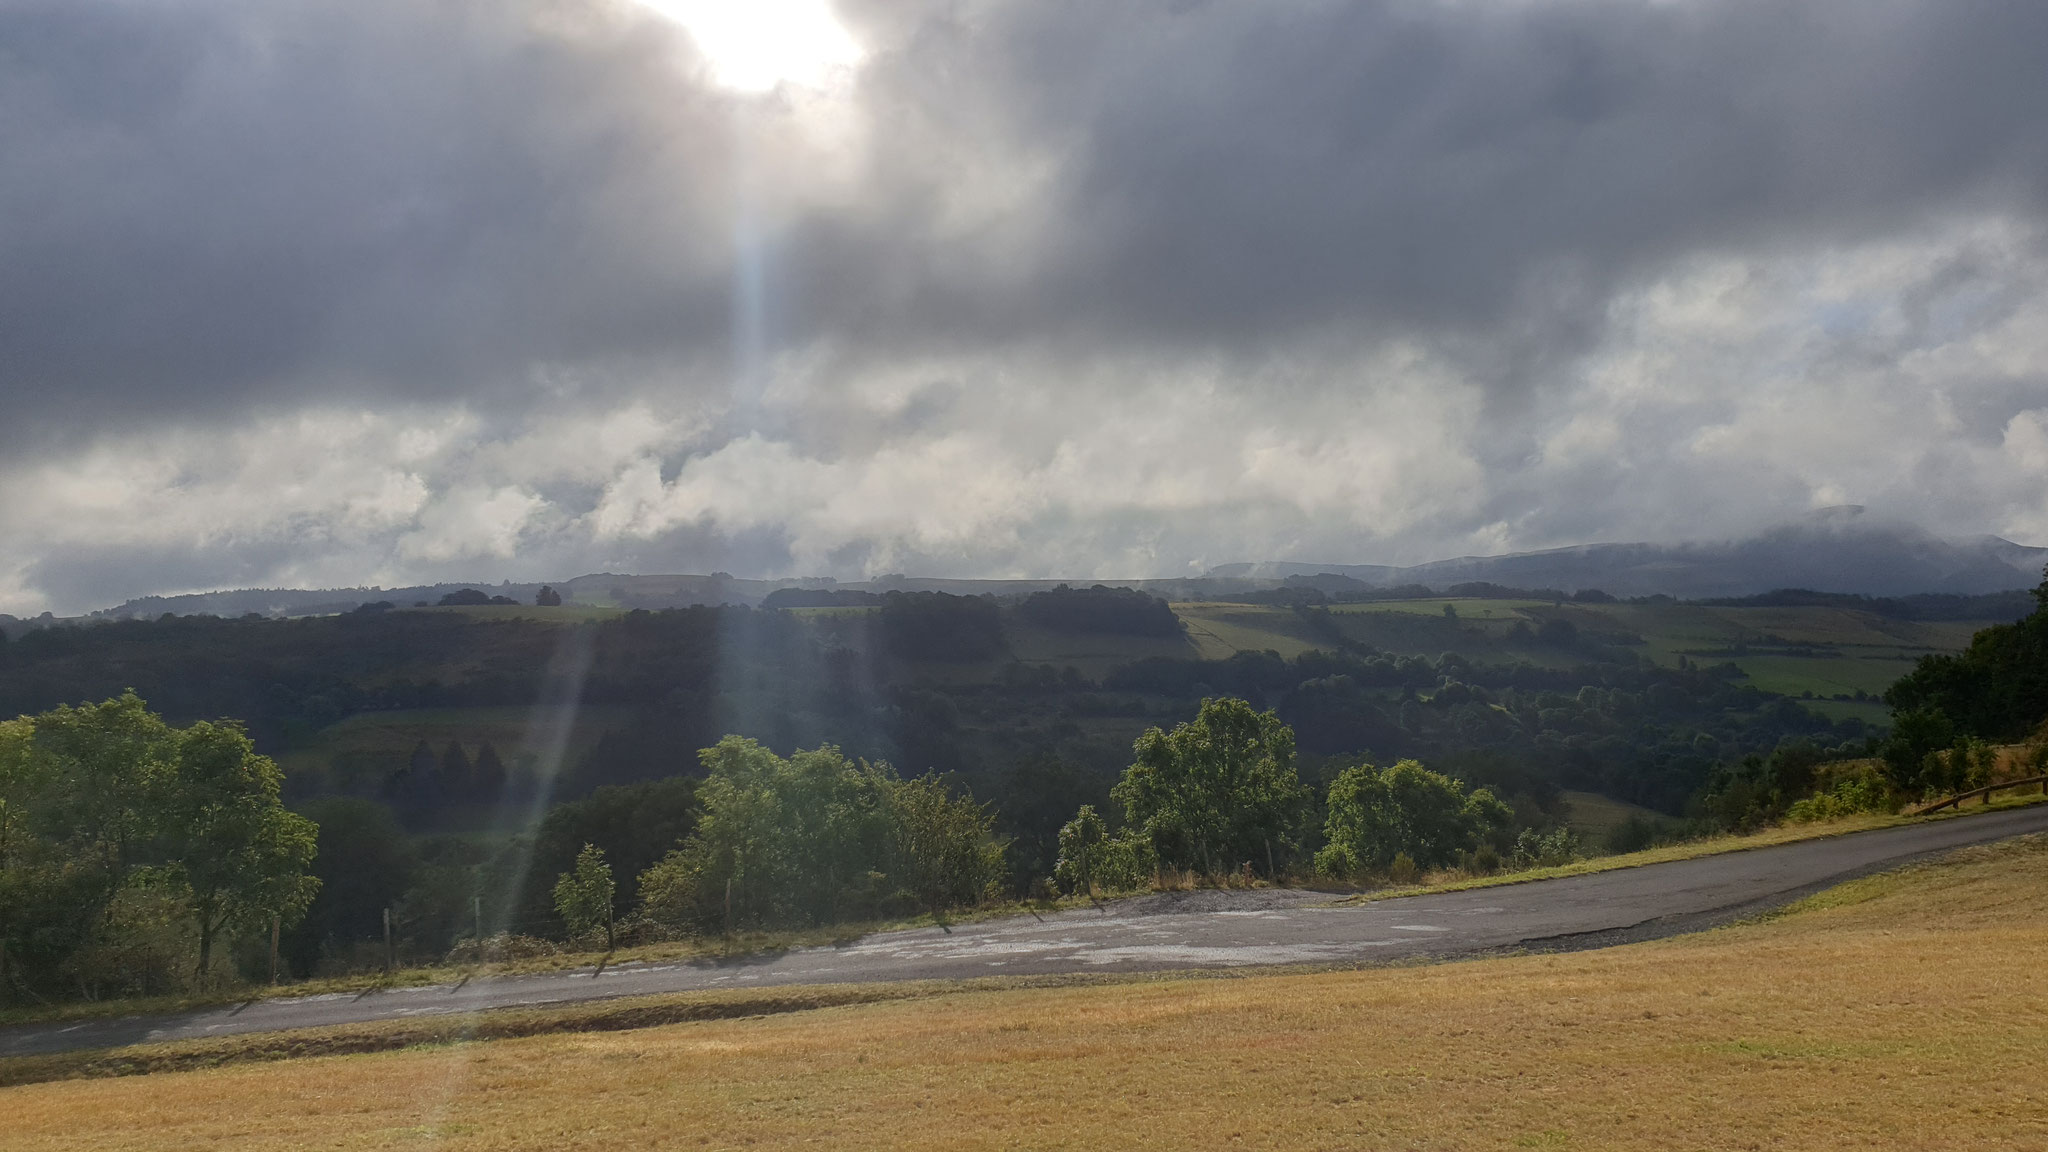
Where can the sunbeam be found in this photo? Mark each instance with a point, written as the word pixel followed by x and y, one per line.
pixel 756 45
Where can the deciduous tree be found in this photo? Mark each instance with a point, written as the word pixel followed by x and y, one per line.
pixel 1216 792
pixel 242 855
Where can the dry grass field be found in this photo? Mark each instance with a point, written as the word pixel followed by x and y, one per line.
pixel 1901 1011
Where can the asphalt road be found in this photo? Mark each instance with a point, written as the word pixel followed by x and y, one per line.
pixel 1164 931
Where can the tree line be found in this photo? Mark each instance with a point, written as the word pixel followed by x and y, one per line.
pixel 129 849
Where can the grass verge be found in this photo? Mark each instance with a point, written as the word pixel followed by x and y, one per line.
pixel 1687 850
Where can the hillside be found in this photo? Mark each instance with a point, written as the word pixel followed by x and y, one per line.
pixel 1636 700
pixel 1835 553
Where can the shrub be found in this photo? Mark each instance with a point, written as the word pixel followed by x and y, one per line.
pixel 1863 789
pixel 140 947
pixel 1377 815
pixel 1631 835
pixel 1091 859
pixel 1560 845
pixel 817 839
pixel 500 948
pixel 583 895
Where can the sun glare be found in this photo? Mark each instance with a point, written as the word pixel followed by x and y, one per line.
pixel 755 45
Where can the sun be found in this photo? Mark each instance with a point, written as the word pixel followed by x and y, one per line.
pixel 756 45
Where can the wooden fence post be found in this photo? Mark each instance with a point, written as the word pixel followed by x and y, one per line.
pixel 388 964
pixel 276 927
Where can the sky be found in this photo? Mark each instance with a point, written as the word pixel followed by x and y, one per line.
pixel 352 292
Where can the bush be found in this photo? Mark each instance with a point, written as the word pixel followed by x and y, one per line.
pixel 1861 790
pixel 583 895
pixel 817 839
pixel 1377 816
pixel 500 948
pixel 1092 860
pixel 140 948
pixel 1631 835
pixel 1558 846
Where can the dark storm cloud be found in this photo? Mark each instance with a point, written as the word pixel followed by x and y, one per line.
pixel 232 201
pixel 235 202
pixel 1236 171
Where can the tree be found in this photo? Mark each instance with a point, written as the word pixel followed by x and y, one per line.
pixel 1081 845
pixel 1917 733
pixel 819 838
pixel 946 850
pixel 365 863
pixel 487 775
pixel 97 763
pixel 808 839
pixel 1218 790
pixel 19 786
pixel 1376 815
pixel 456 782
pixel 74 824
pixel 241 855
pixel 635 824
pixel 1996 689
pixel 547 598
pixel 584 895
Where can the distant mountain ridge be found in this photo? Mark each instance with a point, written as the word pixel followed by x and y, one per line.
pixel 1822 557
pixel 1832 552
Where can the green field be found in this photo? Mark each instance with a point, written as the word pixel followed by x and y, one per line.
pixel 1094 654
pixel 1593 816
pixel 567 614
pixel 1220 631
pixel 1467 608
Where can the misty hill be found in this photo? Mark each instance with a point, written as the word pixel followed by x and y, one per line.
pixel 618 590
pixel 1829 557
pixel 1836 551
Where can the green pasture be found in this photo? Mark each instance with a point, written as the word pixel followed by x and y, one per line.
pixel 1592 815
pixel 1472 608
pixel 1822 675
pixel 566 614
pixel 1872 712
pixel 1092 654
pixel 1219 631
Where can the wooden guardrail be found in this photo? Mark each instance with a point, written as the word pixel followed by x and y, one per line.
pixel 1956 801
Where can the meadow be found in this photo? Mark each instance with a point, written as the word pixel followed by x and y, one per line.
pixel 1889 1012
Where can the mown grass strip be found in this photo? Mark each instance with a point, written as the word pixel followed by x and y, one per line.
pixel 1689 850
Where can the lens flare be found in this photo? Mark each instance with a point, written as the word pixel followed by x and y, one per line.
pixel 757 45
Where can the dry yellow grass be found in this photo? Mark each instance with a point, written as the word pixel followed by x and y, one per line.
pixel 1898 1012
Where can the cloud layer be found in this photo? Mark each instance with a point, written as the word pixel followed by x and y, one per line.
pixel 377 292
